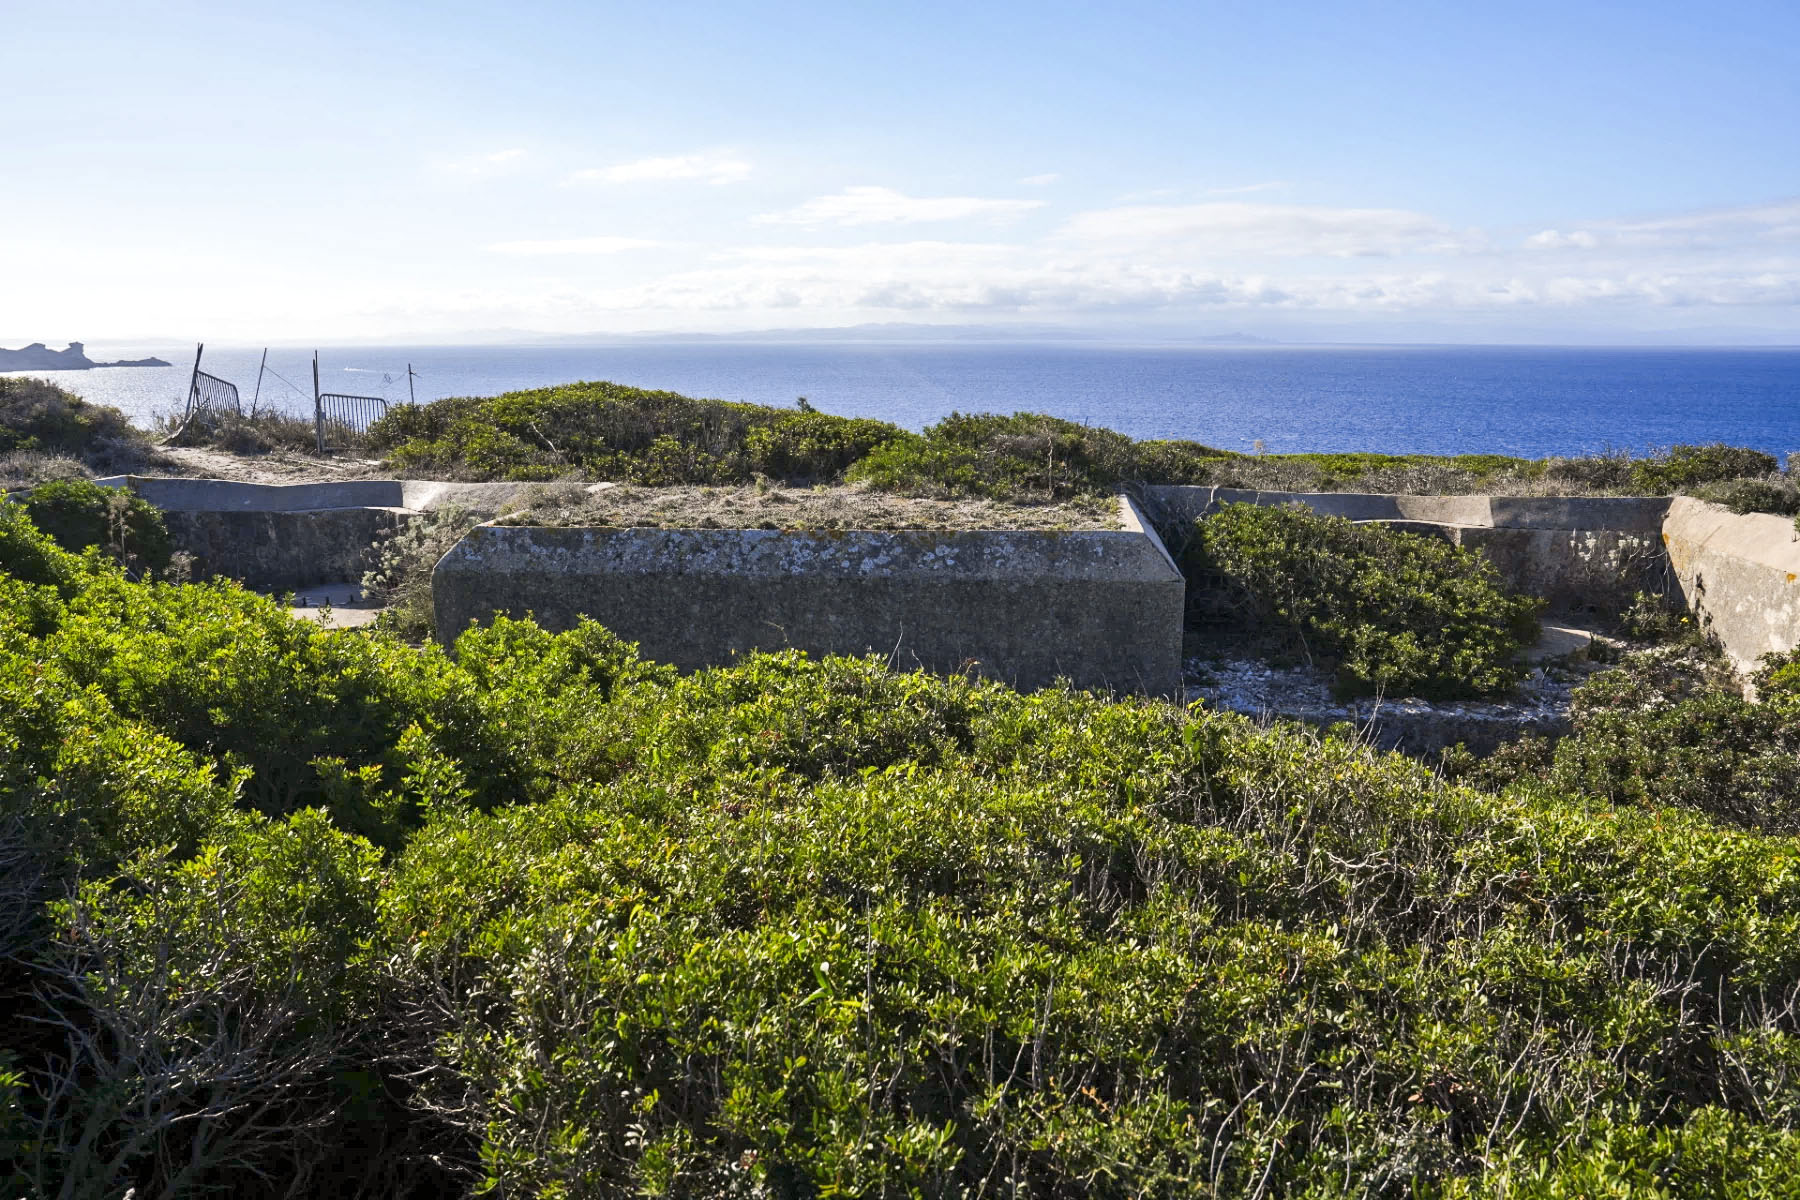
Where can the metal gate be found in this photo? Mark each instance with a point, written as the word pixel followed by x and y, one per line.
pixel 342 420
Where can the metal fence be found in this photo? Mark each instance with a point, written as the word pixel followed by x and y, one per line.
pixel 345 420
pixel 211 392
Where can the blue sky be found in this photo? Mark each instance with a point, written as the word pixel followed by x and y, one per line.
pixel 1377 171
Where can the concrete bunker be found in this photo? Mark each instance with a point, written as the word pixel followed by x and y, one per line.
pixel 1102 608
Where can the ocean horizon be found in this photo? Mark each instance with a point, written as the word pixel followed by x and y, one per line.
pixel 1530 401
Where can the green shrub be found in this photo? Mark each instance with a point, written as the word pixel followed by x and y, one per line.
pixel 214 1008
pixel 814 446
pixel 1390 612
pixel 1671 726
pixel 808 927
pixel 79 514
pixel 1680 468
pixel 1776 494
pixel 37 416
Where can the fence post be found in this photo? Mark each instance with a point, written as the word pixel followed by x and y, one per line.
pixel 193 382
pixel 318 412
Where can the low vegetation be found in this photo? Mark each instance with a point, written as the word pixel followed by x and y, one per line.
pixel 47 433
pixel 258 433
pixel 605 431
pixel 816 508
pixel 298 911
pixel 1388 612
pixel 78 514
pixel 1672 726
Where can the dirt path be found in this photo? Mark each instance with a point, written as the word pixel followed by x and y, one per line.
pixel 277 466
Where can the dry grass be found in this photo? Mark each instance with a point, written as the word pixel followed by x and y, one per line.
pixel 28 468
pixel 628 507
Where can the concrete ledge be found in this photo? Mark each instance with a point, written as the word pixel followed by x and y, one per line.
pixel 1103 608
pixel 1739 574
pixel 230 495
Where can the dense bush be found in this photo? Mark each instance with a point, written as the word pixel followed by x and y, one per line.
pixel 1672 727
pixel 1776 494
pixel 79 514
pixel 1680 468
pixel 1390 612
pixel 798 927
pixel 39 418
pixel 608 431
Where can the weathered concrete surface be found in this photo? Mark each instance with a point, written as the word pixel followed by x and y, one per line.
pixel 229 495
pixel 1739 574
pixel 273 551
pixel 274 536
pixel 1103 608
pixel 1586 554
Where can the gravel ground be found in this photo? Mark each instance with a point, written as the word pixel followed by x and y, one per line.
pixel 1257 690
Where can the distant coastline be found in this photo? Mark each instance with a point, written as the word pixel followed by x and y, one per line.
pixel 39 357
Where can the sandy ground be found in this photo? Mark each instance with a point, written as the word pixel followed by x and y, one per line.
pixel 277 466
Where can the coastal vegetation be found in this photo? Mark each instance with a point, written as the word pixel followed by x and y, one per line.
pixel 47 433
pixel 606 431
pixel 299 911
pixel 1671 726
pixel 1388 612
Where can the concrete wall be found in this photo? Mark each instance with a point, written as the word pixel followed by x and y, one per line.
pixel 227 495
pixel 1103 608
pixel 1582 554
pixel 280 551
pixel 1739 574
pixel 273 536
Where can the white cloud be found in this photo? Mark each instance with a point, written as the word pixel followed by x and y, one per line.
pixel 885 206
pixel 1749 227
pixel 1044 180
pixel 1274 230
pixel 1556 239
pixel 582 245
pixel 710 168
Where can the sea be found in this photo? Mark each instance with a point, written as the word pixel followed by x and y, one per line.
pixel 1530 401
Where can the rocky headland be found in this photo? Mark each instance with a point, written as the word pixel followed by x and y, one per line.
pixel 39 357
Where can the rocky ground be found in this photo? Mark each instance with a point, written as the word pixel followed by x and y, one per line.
pixel 1421 727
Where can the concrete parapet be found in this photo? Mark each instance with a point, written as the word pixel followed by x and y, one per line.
pixel 272 536
pixel 1621 514
pixel 1102 608
pixel 1740 575
pixel 230 495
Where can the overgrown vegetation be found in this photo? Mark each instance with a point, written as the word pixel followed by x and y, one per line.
pixel 1672 726
pixel 609 432
pixel 1389 612
pixel 400 577
pixel 606 431
pixel 78 514
pixel 296 911
pixel 258 433
pixel 47 433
